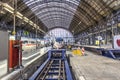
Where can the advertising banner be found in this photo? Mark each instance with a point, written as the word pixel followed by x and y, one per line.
pixel 116 42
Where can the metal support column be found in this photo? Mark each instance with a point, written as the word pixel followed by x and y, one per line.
pixel 14 17
pixel 112 30
pixel 36 32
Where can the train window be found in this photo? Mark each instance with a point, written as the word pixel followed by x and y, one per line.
pixel 25 42
pixel 59 39
pixel 32 42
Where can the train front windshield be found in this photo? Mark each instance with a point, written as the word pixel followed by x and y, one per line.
pixel 25 42
pixel 59 40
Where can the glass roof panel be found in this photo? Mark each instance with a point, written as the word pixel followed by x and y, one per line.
pixel 55 10
pixel 55 14
pixel 115 4
pixel 58 32
pixel 58 12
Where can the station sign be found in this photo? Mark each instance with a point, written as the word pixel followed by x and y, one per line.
pixel 116 42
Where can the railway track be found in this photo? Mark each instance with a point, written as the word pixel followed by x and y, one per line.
pixel 55 68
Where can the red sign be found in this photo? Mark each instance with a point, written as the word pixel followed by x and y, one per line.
pixel 118 42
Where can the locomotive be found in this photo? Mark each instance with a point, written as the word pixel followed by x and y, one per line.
pixel 58 43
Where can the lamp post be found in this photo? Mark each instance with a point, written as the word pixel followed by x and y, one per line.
pixel 73 33
pixel 14 17
pixel 36 32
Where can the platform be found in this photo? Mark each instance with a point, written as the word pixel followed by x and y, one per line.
pixel 95 67
pixel 107 46
pixel 27 58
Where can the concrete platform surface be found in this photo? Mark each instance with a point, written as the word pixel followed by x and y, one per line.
pixel 3 67
pixel 26 59
pixel 107 46
pixel 94 67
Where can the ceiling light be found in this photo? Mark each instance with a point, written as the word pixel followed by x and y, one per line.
pixel 2 12
pixel 116 2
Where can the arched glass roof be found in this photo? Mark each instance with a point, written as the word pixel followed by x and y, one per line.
pixel 54 12
pixel 60 33
pixel 63 13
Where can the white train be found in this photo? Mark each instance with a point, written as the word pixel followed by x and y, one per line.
pixel 59 43
pixel 29 44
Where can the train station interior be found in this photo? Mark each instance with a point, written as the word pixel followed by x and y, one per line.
pixel 59 39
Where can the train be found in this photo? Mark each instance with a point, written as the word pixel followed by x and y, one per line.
pixel 29 44
pixel 59 43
